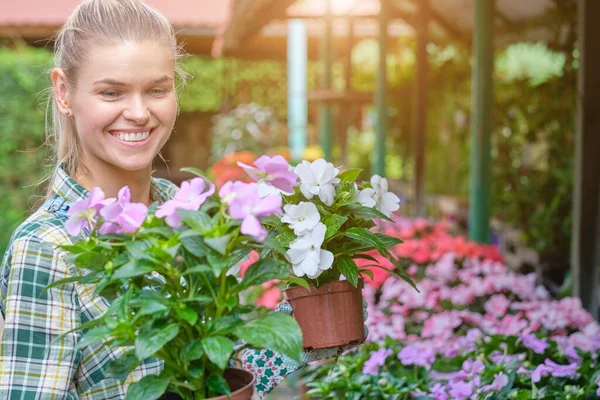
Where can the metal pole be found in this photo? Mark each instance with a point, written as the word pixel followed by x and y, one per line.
pixel 481 125
pixel 325 118
pixel 420 106
pixel 381 93
pixel 297 87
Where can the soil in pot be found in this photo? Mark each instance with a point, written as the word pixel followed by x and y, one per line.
pixel 329 316
pixel 241 383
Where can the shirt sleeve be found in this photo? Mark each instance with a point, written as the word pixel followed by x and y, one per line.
pixel 33 363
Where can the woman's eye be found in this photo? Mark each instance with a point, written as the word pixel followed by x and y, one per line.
pixel 158 92
pixel 110 93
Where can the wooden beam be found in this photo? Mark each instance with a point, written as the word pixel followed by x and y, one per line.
pixel 586 195
pixel 249 17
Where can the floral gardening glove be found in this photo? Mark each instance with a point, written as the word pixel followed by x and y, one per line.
pixel 269 367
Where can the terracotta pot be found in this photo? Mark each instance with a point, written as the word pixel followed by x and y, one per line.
pixel 241 383
pixel 329 316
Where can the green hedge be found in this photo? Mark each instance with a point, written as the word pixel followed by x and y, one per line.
pixel 23 78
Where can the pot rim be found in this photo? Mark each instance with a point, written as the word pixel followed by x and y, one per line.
pixel 297 292
pixel 242 389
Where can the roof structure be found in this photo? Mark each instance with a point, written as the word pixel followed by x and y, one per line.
pixel 256 25
pixel 197 21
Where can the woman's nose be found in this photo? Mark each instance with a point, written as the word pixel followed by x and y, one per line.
pixel 137 110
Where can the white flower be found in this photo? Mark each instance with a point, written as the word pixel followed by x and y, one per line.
pixel 306 255
pixel 318 178
pixel 302 217
pixel 366 197
pixel 379 197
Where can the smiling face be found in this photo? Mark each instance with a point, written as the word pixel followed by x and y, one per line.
pixel 124 104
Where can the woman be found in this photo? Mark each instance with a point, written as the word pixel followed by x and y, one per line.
pixel 114 106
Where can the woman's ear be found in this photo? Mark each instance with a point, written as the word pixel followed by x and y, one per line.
pixel 61 91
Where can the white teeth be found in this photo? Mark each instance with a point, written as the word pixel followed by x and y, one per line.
pixel 132 137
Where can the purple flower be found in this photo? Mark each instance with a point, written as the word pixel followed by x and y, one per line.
pixel 531 341
pixel 412 355
pixel 248 206
pixel 438 392
pixel 598 390
pixel 377 359
pixel 461 390
pixel 470 369
pixel 551 368
pixel 123 216
pixel 274 171
pixel 190 196
pixel 83 213
pixel 500 380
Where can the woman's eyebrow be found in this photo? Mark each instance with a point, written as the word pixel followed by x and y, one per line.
pixel 111 81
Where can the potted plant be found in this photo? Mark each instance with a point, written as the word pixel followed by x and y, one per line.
pixel 171 275
pixel 326 226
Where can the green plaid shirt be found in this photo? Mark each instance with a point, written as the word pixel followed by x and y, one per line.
pixel 30 367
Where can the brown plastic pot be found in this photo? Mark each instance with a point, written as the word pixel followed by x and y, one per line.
pixel 241 383
pixel 329 316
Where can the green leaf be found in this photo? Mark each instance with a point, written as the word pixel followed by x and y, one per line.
pixel 218 349
pixel 226 324
pixel 91 261
pixel 194 245
pixel 350 175
pixel 196 269
pixel 200 299
pixel 187 314
pixel 368 273
pixel 388 241
pixel 219 244
pixel 197 220
pixel 191 351
pixel 61 282
pixel 195 171
pixel 275 331
pixel 333 224
pixel 297 281
pixel 218 385
pixel 92 336
pixel 348 268
pixel 265 270
pixel 366 257
pixel 123 366
pixel 364 212
pixel 365 236
pixel 149 341
pixel 134 268
pixel 150 387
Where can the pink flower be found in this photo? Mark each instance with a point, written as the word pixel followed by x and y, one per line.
pixel 190 196
pixel 84 213
pixel 248 206
pixel 123 216
pixel 377 359
pixel 497 305
pixel 274 171
pixel 412 355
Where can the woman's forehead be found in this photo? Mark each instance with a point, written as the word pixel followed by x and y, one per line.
pixel 128 63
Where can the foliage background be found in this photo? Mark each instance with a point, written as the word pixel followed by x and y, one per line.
pixel 532 139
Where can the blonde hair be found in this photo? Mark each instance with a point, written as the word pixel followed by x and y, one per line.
pixel 98 21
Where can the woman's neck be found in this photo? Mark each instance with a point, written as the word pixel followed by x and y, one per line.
pixel 111 179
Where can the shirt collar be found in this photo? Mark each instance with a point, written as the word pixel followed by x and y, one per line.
pixel 67 188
